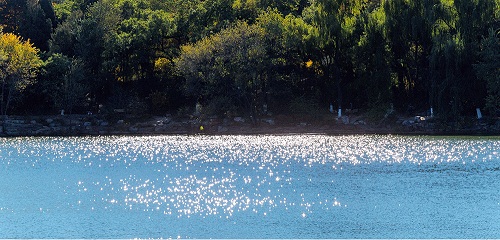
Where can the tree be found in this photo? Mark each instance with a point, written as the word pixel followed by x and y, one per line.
pixel 335 21
pixel 19 64
pixel 36 24
pixel 94 33
pixel 30 19
pixel 286 7
pixel 459 27
pixel 64 38
pixel 489 69
pixel 409 25
pixel 198 19
pixel 372 62
pixel 11 12
pixel 63 82
pixel 288 41
pixel 64 9
pixel 226 69
pixel 444 60
pixel 134 46
pixel 474 18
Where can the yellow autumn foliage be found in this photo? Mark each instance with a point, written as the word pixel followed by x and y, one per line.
pixel 19 65
pixel 19 60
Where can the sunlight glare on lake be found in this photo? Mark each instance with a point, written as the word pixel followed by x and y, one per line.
pixel 292 182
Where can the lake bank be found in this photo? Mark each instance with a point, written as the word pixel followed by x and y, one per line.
pixel 84 125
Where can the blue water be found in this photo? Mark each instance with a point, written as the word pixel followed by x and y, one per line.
pixel 297 186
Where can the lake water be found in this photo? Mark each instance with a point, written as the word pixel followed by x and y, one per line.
pixel 296 186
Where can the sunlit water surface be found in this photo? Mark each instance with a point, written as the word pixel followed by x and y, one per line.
pixel 297 186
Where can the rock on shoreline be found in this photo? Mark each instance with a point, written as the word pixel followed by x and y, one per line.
pixel 90 125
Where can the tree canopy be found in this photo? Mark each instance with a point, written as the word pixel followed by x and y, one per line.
pixel 19 64
pixel 253 56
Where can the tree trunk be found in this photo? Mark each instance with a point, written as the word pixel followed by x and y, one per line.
pixel 2 97
pixel 7 102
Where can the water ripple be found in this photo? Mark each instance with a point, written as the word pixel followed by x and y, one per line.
pixel 225 176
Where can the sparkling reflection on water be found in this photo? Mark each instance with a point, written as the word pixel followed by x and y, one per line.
pixel 297 186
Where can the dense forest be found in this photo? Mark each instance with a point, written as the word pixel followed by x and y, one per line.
pixel 249 57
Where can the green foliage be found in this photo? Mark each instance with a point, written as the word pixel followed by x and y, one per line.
pixel 286 7
pixel 238 55
pixel 458 29
pixel 288 37
pixel 36 25
pixel 198 19
pixel 408 25
pixel 372 61
pixel 93 35
pixel 30 19
pixel 229 63
pixel 132 49
pixel 474 19
pixel 64 83
pixel 489 69
pixel 64 37
pixel 336 23
pixel 63 10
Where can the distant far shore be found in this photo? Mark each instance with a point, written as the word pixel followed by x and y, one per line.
pixel 95 125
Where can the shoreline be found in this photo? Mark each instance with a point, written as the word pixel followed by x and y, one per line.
pixel 100 125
